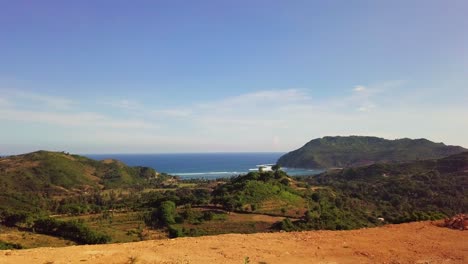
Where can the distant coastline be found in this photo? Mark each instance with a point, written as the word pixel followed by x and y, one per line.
pixel 203 165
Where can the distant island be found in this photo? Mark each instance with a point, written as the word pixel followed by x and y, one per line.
pixel 354 151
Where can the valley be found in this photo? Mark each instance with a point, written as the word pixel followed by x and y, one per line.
pixel 55 199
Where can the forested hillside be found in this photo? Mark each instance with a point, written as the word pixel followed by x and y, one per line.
pixel 404 192
pixel 352 151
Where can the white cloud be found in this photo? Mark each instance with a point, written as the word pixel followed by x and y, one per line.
pixel 124 104
pixel 366 98
pixel 3 101
pixel 55 102
pixel 288 95
pixel 301 118
pixel 269 97
pixel 366 107
pixel 252 122
pixel 359 88
pixel 32 108
pixel 78 119
pixel 171 113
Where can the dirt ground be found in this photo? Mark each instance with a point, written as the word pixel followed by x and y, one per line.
pixel 421 242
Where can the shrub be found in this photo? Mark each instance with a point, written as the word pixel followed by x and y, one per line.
pixel 208 215
pixel 9 218
pixel 175 231
pixel 287 225
pixel 6 245
pixel 163 216
pixel 73 230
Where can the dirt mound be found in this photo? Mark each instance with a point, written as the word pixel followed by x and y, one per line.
pixel 459 221
pixel 422 242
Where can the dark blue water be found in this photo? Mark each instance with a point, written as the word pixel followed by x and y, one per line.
pixel 202 165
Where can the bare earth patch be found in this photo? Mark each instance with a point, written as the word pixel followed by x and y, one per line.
pixel 29 240
pixel 421 242
pixel 12 165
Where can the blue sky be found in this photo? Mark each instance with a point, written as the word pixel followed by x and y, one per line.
pixel 204 76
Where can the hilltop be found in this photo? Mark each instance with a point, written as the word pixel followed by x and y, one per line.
pixel 421 242
pixel 26 178
pixel 353 151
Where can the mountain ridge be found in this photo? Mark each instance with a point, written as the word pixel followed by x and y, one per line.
pixel 354 151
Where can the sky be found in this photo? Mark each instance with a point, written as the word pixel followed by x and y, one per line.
pixel 229 76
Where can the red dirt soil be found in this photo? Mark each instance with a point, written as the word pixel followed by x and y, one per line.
pixel 420 242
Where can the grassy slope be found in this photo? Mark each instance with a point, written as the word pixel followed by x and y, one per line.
pixel 24 179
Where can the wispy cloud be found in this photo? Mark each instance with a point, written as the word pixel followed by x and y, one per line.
pixel 171 113
pixel 366 98
pixel 14 95
pixel 261 120
pixel 78 119
pixel 366 107
pixel 265 97
pixel 359 88
pixel 125 104
pixel 29 107
pixel 287 95
pixel 3 101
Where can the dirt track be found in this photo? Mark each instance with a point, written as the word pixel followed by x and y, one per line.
pixel 407 243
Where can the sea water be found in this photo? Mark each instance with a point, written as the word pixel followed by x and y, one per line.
pixel 203 165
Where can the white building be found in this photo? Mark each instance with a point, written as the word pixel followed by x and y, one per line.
pixel 265 167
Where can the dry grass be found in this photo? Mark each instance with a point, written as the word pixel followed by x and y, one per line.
pixel 32 240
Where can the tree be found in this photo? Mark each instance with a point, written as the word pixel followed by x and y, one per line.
pixel 163 216
pixel 11 219
pixel 276 167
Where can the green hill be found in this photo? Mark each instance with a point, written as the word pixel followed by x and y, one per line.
pixel 352 151
pixel 26 178
pixel 403 192
pixel 262 192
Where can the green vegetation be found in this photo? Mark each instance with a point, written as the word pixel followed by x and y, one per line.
pixel 332 152
pixel 163 216
pixel 73 230
pixel 419 190
pixel 30 181
pixel 45 171
pixel 84 201
pixel 6 245
pixel 396 193
pixel 252 191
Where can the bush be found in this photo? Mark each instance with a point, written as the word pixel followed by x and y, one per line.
pixel 73 209
pixel 208 215
pixel 6 245
pixel 163 216
pixel 73 230
pixel 9 218
pixel 190 215
pixel 175 232
pixel 287 225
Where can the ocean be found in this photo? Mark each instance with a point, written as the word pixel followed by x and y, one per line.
pixel 203 165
